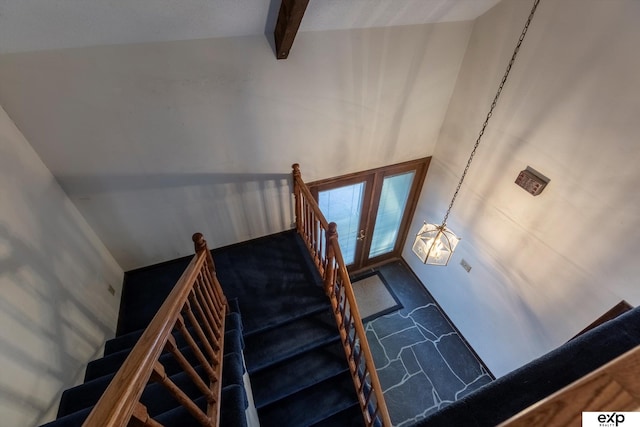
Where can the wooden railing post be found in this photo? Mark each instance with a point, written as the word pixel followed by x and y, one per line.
pixel 296 192
pixel 331 236
pixel 201 245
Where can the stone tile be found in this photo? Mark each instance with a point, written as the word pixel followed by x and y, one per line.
pixel 380 358
pixel 459 358
pixel 445 382
pixel 410 398
pixel 394 343
pixel 409 360
pixel 430 318
pixel 390 323
pixel 427 374
pixel 393 374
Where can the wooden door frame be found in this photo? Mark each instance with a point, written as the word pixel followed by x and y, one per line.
pixel 375 178
pixel 350 179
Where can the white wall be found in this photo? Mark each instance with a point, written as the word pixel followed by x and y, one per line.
pixel 55 308
pixel 542 267
pixel 153 142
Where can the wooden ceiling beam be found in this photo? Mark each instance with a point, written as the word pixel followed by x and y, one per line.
pixel 289 19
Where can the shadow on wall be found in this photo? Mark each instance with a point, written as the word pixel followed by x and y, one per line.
pixel 553 265
pixel 146 219
pixel 48 330
pixel 270 23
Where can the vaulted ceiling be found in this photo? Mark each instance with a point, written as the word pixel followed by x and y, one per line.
pixel 32 25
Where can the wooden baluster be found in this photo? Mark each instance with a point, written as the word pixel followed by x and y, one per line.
pixel 211 316
pixel 298 200
pixel 213 298
pixel 214 338
pixel 331 236
pixel 171 347
pixel 160 376
pixel 199 332
pixel 309 223
pixel 141 418
pixel 317 256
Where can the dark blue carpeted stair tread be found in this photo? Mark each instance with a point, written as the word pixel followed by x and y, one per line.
pixel 272 310
pixel 271 278
pixel 298 373
pixel 82 396
pixel 312 405
pixel 286 317
pixel 144 291
pixel 349 417
pixel 72 420
pixel 88 394
pixel 110 364
pixel 232 413
pixel 271 347
pixel 233 321
pixel 233 369
pixel 122 342
pixel 232 374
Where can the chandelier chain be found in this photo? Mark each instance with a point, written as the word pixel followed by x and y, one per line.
pixel 493 105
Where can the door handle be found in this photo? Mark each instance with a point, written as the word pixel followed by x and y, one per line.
pixel 361 236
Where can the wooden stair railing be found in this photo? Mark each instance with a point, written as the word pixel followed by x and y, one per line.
pixel 321 239
pixel 197 302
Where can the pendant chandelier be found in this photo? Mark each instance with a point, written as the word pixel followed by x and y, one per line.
pixel 434 244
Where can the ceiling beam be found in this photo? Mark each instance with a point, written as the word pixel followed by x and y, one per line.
pixel 289 19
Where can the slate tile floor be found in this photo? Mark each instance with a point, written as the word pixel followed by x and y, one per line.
pixel 422 361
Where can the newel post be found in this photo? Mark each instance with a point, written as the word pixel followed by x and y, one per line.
pixel 331 236
pixel 201 245
pixel 298 199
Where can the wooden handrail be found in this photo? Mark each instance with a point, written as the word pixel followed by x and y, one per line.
pixel 120 403
pixel 321 239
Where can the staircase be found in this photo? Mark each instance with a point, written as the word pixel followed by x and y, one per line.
pixel 280 330
pixel 299 374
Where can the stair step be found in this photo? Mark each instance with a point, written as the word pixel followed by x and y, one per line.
pixel 294 303
pixel 144 291
pixel 312 405
pixel 288 340
pixel 72 420
pixel 155 396
pixel 233 413
pixel 349 417
pixel 298 373
pixel 276 322
pixel 111 363
pixel 233 321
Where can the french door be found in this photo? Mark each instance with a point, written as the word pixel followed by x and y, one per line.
pixel 372 210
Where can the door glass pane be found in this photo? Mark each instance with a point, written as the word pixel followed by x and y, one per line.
pixel 393 199
pixel 343 206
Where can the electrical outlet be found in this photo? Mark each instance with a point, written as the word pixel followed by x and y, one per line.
pixel 112 291
pixel 465 265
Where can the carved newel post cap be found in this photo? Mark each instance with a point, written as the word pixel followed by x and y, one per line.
pixel 198 240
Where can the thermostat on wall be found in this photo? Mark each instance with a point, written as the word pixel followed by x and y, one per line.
pixel 532 181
